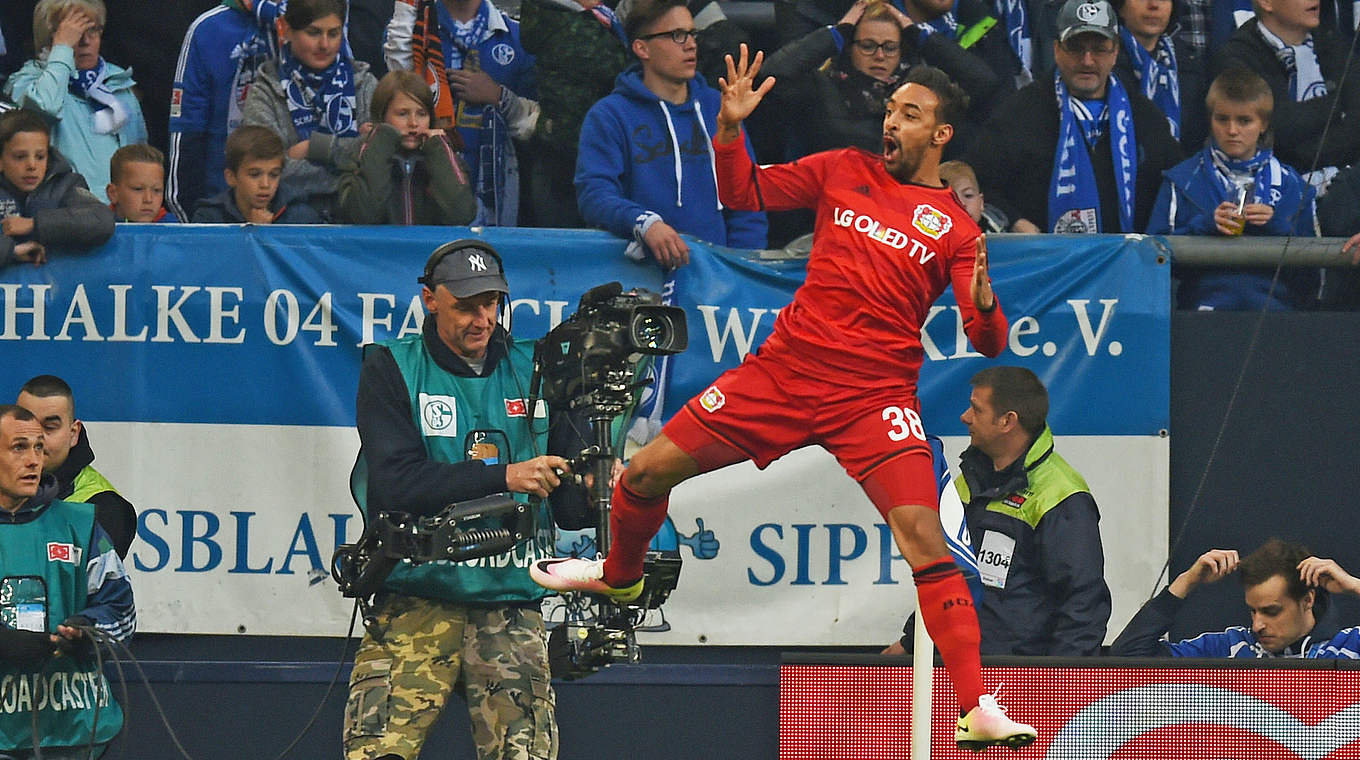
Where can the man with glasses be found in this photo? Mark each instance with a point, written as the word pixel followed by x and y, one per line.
pixel 1077 151
pixel 645 166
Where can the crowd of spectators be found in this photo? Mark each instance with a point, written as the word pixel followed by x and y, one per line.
pixel 1084 116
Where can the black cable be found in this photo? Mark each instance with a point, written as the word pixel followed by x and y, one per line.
pixel 1255 336
pixel 339 667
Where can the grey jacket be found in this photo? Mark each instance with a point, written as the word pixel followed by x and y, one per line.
pixel 63 210
pixel 317 177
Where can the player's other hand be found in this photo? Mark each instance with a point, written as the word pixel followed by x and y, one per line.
pixel 666 245
pixel 1212 566
pixel 537 476
pixel 1326 574
pixel 740 96
pixel 981 288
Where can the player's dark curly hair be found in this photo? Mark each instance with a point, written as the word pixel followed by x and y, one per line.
pixel 953 100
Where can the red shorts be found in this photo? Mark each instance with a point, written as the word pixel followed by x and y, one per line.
pixel 762 410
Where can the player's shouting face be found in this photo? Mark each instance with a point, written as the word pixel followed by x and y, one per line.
pixel 910 128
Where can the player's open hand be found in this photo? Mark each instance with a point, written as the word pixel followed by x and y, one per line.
pixel 1211 566
pixel 1326 574
pixel 740 96
pixel 981 288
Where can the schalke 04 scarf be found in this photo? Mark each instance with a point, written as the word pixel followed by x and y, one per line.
pixel 319 100
pixel 1157 71
pixel 109 114
pixel 1073 199
pixel 1261 167
pixel 1018 31
pixel 1305 74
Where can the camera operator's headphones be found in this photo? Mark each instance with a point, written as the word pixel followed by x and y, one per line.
pixel 459 245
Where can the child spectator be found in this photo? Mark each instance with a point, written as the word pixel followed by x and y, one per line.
pixel 43 202
pixel 315 98
pixel 253 195
pixel 1236 186
pixel 408 172
pixel 89 100
pixel 961 179
pixel 137 185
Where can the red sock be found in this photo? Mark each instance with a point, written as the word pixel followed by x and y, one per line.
pixel 633 522
pixel 947 609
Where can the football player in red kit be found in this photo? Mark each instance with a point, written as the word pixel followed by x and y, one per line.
pixel 840 368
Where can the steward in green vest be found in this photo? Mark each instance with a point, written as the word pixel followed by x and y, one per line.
pixel 444 417
pixel 1033 523
pixel 60 580
pixel 70 458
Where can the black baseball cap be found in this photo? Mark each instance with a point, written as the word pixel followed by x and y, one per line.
pixel 466 267
pixel 1078 16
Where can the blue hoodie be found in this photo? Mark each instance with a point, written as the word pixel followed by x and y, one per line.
pixel 640 155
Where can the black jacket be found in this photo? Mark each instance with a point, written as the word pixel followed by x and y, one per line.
pixel 1013 157
pixel 423 485
pixel 222 209
pixel 115 514
pixel 1194 84
pixel 63 210
pixel 1298 126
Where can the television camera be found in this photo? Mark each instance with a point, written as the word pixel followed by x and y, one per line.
pixel 586 366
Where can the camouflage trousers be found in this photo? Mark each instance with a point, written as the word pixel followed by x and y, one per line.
pixel 495 658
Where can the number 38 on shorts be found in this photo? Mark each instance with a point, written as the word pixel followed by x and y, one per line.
pixel 903 423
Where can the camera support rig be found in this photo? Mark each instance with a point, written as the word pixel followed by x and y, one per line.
pixel 459 532
pixel 586 365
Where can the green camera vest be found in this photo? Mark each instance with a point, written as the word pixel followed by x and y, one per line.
pixel 42 582
pixel 447 409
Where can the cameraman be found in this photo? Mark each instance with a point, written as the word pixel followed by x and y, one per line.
pixel 443 417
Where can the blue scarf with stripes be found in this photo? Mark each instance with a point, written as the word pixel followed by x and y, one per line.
pixel 1073 199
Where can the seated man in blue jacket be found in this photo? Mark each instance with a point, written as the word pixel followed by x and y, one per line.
pixel 1286 592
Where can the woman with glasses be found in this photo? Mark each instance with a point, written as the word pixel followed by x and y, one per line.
pixel 855 66
pixel 88 100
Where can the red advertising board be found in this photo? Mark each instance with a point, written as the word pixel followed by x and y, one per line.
pixel 863 712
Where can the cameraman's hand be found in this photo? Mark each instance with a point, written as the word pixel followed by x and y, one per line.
pixel 537 476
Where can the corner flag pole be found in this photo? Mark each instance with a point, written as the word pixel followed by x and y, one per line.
pixel 922 674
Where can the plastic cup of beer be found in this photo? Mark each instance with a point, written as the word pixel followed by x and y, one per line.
pixel 1238 221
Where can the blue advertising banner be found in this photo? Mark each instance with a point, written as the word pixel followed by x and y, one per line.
pixel 217 367
pixel 262 325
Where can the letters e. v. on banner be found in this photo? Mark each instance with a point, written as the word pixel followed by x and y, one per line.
pixel 216 368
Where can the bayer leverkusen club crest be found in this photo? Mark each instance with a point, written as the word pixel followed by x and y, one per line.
pixel 931 221
pixel 712 400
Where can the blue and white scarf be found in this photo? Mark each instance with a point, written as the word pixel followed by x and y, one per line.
pixel 1073 199
pixel 1261 167
pixel 1018 32
pixel 319 100
pixel 1157 71
pixel 1305 74
pixel 486 136
pixel 109 115
pixel 946 23
pixel 458 38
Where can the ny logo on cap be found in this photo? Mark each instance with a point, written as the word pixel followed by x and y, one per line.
pixel 476 262
pixel 1091 12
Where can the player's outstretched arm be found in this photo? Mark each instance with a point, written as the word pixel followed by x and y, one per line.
pixel 739 95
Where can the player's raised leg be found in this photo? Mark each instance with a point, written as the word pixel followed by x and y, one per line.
pixel 637 510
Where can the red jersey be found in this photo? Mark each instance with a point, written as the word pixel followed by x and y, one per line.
pixel 882 252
